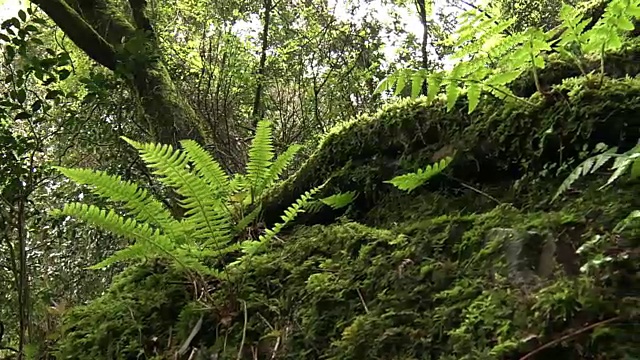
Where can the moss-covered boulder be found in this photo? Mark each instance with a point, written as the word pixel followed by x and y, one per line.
pixel 479 264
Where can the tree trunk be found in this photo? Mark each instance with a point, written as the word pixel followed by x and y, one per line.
pixel 421 6
pixel 23 289
pixel 100 29
pixel 258 113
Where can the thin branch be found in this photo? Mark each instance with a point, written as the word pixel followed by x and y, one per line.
pixel 244 330
pixel 569 336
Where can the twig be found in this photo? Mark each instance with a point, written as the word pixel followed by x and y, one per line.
pixel 244 329
pixel 569 336
pixel 474 189
pixel 185 346
pixel 366 309
pixel 275 348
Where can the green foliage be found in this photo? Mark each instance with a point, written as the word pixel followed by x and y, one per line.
pixel 489 58
pixel 339 200
pixel 214 205
pixel 408 182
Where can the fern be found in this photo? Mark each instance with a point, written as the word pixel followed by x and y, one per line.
pixel 252 247
pixel 206 167
pixel 339 200
pixel 408 182
pixel 488 60
pixel 588 166
pixel 260 156
pixel 126 228
pixel 136 200
pixel 206 215
pixel 215 204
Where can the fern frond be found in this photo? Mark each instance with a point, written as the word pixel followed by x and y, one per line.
pixel 339 200
pixel 290 214
pixel 588 166
pixel 248 219
pixel 209 169
pixel 260 156
pixel 131 252
pixel 127 228
pixel 408 182
pixel 207 216
pixel 279 165
pixel 137 201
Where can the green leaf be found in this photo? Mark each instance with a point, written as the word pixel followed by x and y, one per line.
pixel 473 94
pixel 453 91
pixel 339 200
pixel 22 15
pixel 63 74
pixel 416 84
pixel 21 96
pixel 503 78
pixel 409 182
pixel 433 86
pixel 402 81
pixel 22 115
pixel 614 41
pixel 624 24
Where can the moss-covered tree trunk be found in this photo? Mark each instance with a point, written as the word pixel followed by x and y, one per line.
pixel 127 45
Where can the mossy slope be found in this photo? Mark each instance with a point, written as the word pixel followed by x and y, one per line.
pixel 419 276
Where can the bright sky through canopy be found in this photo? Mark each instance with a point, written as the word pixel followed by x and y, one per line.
pixel 9 8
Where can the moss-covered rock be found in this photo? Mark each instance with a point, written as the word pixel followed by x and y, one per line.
pixel 497 142
pixel 128 321
pixel 479 265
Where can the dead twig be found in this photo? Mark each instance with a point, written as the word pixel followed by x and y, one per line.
pixel 569 336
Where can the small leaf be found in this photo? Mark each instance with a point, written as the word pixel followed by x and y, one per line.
pixel 452 95
pixel 22 15
pixel 416 84
pixel 52 94
pixel 21 96
pixel 433 86
pixel 473 94
pixel 63 74
pixel 37 105
pixel 4 37
pixel 624 24
pixel 503 78
pixel 614 41
pixel 22 115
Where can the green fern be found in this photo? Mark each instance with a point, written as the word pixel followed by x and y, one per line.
pixel 206 215
pixel 588 166
pixel 260 155
pixel 206 167
pixel 339 200
pixel 252 247
pixel 216 206
pixel 408 182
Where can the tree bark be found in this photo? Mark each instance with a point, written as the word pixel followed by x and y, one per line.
pixel 421 6
pixel 258 113
pixel 113 40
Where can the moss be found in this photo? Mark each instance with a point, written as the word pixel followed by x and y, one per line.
pixel 130 320
pixel 437 274
pixel 499 142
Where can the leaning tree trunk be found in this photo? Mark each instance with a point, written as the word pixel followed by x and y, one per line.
pixel 103 31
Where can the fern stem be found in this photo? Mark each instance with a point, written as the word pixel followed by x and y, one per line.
pixel 533 69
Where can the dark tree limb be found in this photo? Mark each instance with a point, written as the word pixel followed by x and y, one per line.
pixel 79 31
